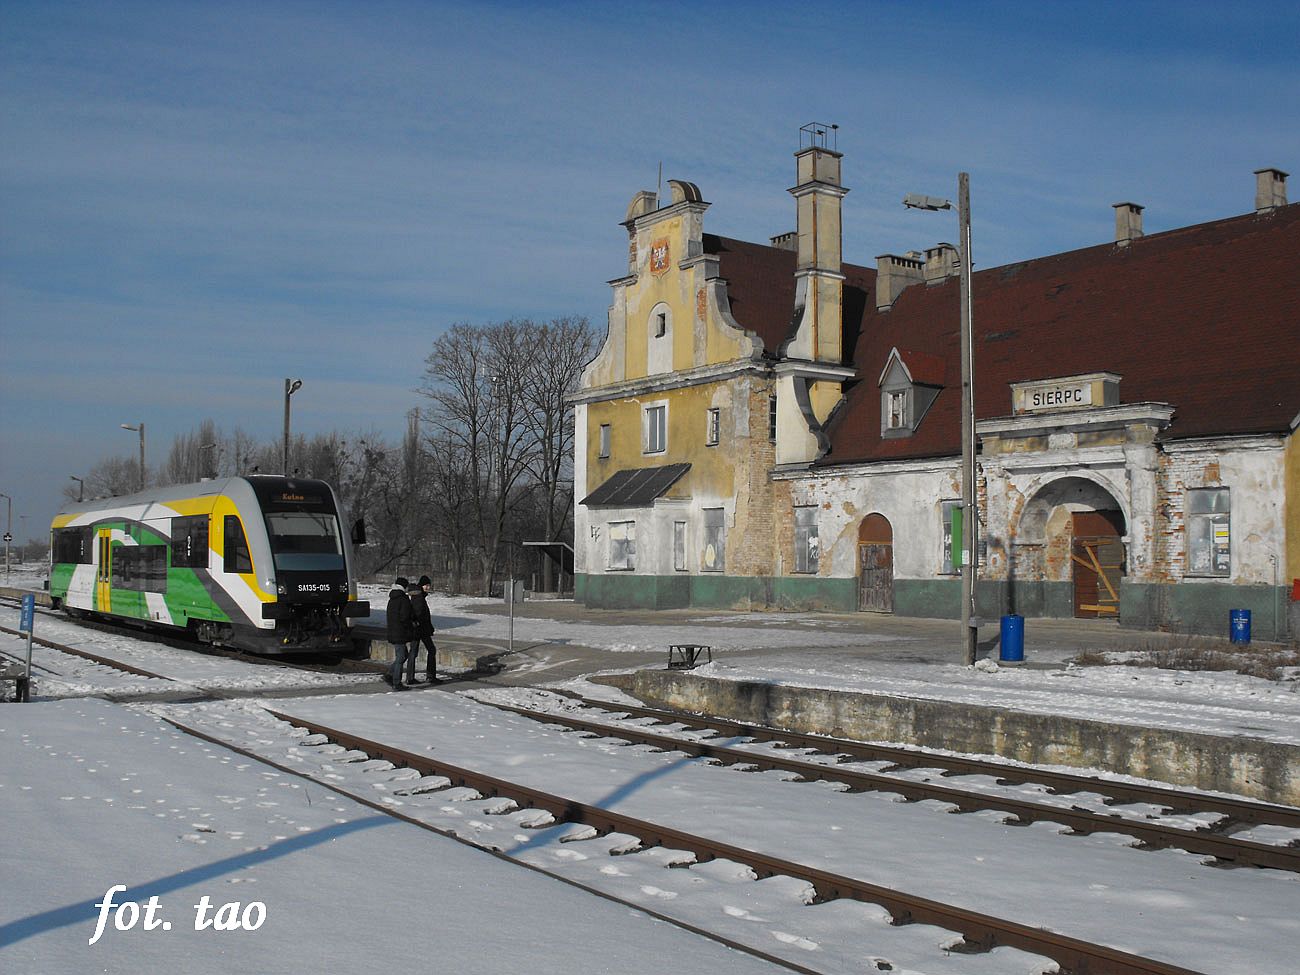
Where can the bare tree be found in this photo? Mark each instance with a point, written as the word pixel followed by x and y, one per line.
pixel 474 378
pixel 110 477
pixel 560 348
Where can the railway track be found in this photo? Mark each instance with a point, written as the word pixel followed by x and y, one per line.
pixel 1215 841
pixel 979 931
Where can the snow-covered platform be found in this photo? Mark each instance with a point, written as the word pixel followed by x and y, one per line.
pixel 1166 728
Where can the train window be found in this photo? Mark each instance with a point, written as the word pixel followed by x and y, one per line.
pixel 142 568
pixel 236 554
pixel 72 545
pixel 190 542
pixel 304 540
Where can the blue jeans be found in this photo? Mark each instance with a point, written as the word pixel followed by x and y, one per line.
pixel 400 652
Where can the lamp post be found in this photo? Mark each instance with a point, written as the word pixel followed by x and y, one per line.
pixel 140 427
pixel 203 468
pixel 9 533
pixel 81 487
pixel 291 386
pixel 969 533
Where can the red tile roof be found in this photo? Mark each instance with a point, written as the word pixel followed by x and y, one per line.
pixel 1206 318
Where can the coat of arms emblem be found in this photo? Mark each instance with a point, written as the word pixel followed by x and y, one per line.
pixel 659 256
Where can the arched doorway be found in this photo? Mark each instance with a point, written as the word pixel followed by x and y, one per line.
pixel 1071 543
pixel 875 565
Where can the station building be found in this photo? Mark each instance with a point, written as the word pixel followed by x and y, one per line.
pixel 769 427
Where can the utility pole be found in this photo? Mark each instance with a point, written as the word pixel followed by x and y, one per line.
pixel 969 555
pixel 137 427
pixel 969 500
pixel 9 533
pixel 291 386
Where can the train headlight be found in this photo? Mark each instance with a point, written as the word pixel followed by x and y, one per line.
pixel 282 589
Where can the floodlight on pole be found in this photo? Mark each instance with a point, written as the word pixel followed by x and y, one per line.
pixel 137 427
pixel 291 386
pixel 969 511
pixel 9 533
pixel 81 487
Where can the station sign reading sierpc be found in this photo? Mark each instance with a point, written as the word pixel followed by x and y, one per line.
pixel 1070 392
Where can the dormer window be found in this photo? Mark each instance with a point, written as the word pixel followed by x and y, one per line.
pixel 909 385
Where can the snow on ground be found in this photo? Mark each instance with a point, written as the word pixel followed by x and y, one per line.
pixel 1135 901
pixel 95 795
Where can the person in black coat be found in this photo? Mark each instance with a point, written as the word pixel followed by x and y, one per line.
pixel 401 631
pixel 423 633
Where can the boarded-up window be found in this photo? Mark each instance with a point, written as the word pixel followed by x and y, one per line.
pixel 622 545
pixel 715 540
pixel 806 543
pixel 951 537
pixel 679 546
pixel 604 440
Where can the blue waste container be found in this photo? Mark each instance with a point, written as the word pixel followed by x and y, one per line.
pixel 1012 643
pixel 1239 625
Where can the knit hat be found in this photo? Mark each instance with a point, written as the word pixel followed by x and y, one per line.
pixel 425 581
pixel 400 582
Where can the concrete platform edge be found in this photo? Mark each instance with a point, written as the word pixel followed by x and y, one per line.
pixel 1251 767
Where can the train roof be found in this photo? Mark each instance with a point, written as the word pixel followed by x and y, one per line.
pixel 208 487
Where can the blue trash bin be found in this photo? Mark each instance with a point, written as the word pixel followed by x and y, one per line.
pixel 1239 625
pixel 1012 644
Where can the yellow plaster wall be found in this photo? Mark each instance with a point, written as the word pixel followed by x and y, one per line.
pixel 713 469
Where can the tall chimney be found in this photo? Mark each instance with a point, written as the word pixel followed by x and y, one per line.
pixel 894 272
pixel 941 263
pixel 1128 223
pixel 810 372
pixel 1270 189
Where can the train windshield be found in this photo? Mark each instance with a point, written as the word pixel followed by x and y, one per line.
pixel 305 540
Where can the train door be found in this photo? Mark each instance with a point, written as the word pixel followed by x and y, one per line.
pixel 1097 557
pixel 104 570
pixel 876 565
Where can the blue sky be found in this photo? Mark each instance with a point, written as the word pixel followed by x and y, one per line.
pixel 199 199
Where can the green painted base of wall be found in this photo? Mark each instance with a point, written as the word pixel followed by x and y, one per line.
pixel 1194 608
pixel 1204 608
pixel 716 592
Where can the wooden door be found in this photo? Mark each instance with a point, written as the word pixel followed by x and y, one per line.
pixel 1097 557
pixel 875 565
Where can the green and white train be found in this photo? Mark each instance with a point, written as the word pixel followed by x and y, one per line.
pixel 260 563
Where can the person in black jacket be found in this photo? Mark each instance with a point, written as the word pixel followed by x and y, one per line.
pixel 423 633
pixel 401 631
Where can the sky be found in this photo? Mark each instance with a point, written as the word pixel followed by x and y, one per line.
pixel 200 200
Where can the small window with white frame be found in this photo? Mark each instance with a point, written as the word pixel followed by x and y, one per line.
pixel 896 417
pixel 712 426
pixel 604 440
pixel 656 428
pixel 622 545
pixel 807 545
pixel 1209 532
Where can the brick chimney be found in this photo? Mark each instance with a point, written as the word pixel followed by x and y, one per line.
pixel 788 241
pixel 894 272
pixel 1128 223
pixel 1270 189
pixel 941 263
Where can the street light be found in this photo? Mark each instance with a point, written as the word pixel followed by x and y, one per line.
pixel 81 488
pixel 291 386
pixel 140 428
pixel 203 467
pixel 969 534
pixel 9 533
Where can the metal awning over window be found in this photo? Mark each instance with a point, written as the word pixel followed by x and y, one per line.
pixel 635 488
